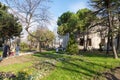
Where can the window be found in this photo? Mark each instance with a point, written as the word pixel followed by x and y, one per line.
pixel 89 42
pixel 103 41
pixel 81 41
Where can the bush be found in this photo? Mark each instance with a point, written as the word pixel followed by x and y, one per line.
pixel 72 47
pixel 23 46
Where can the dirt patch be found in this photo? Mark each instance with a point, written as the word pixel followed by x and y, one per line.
pixel 15 59
pixel 113 74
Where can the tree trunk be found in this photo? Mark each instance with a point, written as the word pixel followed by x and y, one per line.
pixel 40 47
pixel 110 30
pixel 30 45
pixel 108 43
pixel 84 37
pixel 118 41
pixel 114 48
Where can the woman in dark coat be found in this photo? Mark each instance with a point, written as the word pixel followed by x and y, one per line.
pixel 6 50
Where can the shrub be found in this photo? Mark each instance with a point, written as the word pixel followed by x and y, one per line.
pixel 23 46
pixel 72 47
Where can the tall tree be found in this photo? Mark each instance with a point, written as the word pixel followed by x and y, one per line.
pixel 42 34
pixel 86 20
pixel 106 9
pixel 67 24
pixel 30 12
pixel 9 25
pixel 63 23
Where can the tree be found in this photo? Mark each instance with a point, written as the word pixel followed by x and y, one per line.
pixel 50 35
pixel 86 19
pixel 76 24
pixel 43 34
pixel 107 10
pixel 30 12
pixel 63 23
pixel 32 41
pixel 9 25
pixel 67 24
pixel 46 36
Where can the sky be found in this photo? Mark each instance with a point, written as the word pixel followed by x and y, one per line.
pixel 58 7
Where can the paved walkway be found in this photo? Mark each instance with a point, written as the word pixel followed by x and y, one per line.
pixel 20 54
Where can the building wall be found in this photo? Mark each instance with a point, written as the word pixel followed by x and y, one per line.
pixel 65 40
pixel 95 41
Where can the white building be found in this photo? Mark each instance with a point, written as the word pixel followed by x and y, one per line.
pixel 95 37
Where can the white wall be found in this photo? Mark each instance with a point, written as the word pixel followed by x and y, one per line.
pixel 95 40
pixel 65 40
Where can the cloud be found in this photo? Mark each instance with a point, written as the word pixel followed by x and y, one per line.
pixel 78 5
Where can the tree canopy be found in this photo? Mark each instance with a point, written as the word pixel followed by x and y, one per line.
pixel 9 25
pixel 71 23
pixel 108 11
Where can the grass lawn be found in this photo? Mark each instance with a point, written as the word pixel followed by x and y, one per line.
pixel 16 64
pixel 82 67
pixel 15 67
pixel 67 67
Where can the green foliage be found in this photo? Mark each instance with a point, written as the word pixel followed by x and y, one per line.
pixel 63 29
pixel 25 74
pixel 75 24
pixel 62 22
pixel 71 23
pixel 23 45
pixel 44 35
pixel 108 11
pixel 86 17
pixel 9 25
pixel 64 18
pixel 72 47
pixel 50 36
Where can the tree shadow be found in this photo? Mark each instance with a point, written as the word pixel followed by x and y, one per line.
pixel 67 60
pixel 110 76
pixel 61 58
pixel 96 54
pixel 72 70
pixel 49 55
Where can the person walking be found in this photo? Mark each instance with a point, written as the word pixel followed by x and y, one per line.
pixel 17 49
pixel 6 50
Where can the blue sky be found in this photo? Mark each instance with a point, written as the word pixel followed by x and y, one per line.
pixel 60 6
